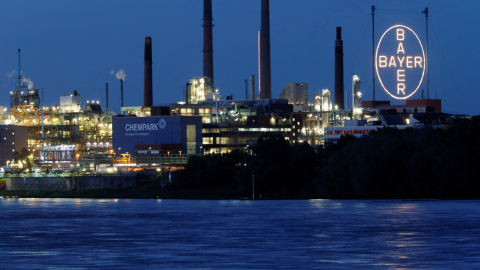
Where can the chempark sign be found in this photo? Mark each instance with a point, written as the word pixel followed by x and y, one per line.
pixel 400 62
pixel 146 126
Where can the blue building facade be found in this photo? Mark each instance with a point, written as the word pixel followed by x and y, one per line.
pixel 159 133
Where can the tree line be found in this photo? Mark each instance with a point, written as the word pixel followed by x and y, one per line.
pixel 387 163
pixel 277 168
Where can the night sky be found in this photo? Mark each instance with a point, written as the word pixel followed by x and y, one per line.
pixel 81 45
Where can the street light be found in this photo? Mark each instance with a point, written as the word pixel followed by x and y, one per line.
pixel 149 155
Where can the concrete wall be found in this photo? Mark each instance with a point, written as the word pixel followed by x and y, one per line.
pixel 70 183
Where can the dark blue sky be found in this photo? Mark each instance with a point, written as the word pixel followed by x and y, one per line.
pixel 75 45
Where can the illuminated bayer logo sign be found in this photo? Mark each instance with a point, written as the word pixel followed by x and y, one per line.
pixel 400 62
pixel 162 123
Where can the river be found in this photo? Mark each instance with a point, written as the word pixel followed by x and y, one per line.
pixel 196 234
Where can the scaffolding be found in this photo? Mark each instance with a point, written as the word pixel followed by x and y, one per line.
pixel 25 97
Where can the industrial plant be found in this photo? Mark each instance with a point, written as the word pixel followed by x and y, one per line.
pixel 75 136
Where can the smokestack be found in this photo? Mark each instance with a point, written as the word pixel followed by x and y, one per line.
pixel 252 87
pixel 208 41
pixel 339 89
pixel 121 92
pixel 265 67
pixel 148 85
pixel 106 90
pixel 259 71
pixel 246 90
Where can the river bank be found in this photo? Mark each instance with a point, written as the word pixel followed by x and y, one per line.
pixel 152 189
pixel 146 188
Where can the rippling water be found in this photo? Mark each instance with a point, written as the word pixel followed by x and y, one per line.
pixel 186 234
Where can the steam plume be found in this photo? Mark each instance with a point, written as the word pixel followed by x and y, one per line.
pixel 13 75
pixel 28 82
pixel 121 75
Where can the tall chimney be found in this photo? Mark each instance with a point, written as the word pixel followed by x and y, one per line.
pixel 148 84
pixel 265 65
pixel 187 93
pixel 339 96
pixel 106 90
pixel 259 71
pixel 252 87
pixel 121 93
pixel 246 90
pixel 208 41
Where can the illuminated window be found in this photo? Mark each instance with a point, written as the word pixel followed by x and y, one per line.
pixel 207 140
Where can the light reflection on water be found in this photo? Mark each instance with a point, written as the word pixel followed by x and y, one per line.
pixel 179 234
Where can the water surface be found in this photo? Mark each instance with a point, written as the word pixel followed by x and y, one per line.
pixel 190 234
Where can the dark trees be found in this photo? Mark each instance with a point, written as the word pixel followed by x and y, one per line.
pixel 410 163
pixel 281 170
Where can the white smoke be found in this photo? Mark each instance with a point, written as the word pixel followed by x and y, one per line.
pixel 28 82
pixel 121 75
pixel 112 71
pixel 11 74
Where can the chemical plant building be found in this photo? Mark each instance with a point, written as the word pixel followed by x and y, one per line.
pixel 62 134
pixel 73 135
pixel 12 139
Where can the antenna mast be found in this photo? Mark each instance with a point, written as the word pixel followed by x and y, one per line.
pixel 425 11
pixel 373 49
pixel 19 82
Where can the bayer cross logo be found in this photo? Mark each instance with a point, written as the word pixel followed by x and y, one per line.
pixel 162 123
pixel 400 62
